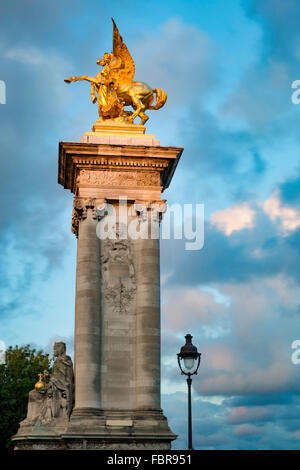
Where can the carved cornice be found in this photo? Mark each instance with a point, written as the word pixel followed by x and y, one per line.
pixel 121 162
pixel 75 157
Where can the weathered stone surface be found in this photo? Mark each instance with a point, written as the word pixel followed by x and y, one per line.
pixel 84 443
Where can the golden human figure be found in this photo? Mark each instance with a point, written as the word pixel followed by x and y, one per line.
pixel 116 89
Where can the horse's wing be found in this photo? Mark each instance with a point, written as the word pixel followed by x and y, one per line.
pixel 125 74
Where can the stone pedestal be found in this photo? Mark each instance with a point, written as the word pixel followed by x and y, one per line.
pixel 117 315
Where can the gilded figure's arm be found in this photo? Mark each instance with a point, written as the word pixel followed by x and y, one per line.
pixel 83 77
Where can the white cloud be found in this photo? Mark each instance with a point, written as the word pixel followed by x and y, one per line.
pixel 32 55
pixel 219 296
pixel 237 217
pixel 286 216
pixel 200 306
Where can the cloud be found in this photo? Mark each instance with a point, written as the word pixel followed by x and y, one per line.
pixel 200 305
pixel 30 56
pixel 241 414
pixel 238 255
pixel 267 428
pixel 290 190
pixel 283 398
pixel 35 232
pixel 172 50
pixel 250 350
pixel 247 430
pixel 237 217
pixel 263 96
pixel 287 216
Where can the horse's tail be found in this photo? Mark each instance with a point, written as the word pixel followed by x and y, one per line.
pixel 161 98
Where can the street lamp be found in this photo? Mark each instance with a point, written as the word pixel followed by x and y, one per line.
pixel 191 361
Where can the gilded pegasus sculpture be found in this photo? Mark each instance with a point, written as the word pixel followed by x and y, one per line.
pixel 116 89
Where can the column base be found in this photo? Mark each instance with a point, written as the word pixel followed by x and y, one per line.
pixel 117 430
pixel 92 443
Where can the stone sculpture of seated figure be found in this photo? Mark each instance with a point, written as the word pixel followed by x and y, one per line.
pixel 55 400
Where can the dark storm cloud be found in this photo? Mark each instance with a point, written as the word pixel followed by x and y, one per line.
pixel 285 398
pixel 222 426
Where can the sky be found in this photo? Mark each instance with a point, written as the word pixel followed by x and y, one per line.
pixel 228 68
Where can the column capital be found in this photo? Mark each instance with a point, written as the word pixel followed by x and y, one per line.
pixel 151 209
pixel 80 210
pixel 158 208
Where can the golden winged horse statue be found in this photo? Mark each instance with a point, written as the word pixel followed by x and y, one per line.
pixel 116 89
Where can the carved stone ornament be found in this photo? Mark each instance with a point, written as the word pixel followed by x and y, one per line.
pixel 80 208
pixel 152 210
pixel 118 178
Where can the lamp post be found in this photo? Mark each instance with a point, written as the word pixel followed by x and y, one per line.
pixel 191 361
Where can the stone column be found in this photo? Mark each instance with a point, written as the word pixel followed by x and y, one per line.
pixel 87 310
pixel 117 312
pixel 148 309
pixel 117 335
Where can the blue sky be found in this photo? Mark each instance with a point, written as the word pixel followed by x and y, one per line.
pixel 228 68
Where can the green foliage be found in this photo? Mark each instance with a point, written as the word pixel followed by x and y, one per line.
pixel 17 377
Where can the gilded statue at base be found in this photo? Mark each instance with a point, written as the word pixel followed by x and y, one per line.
pixel 116 89
pixel 53 400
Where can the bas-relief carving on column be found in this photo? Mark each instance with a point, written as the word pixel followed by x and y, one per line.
pixel 119 178
pixel 118 293
pixel 118 274
pixel 117 260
